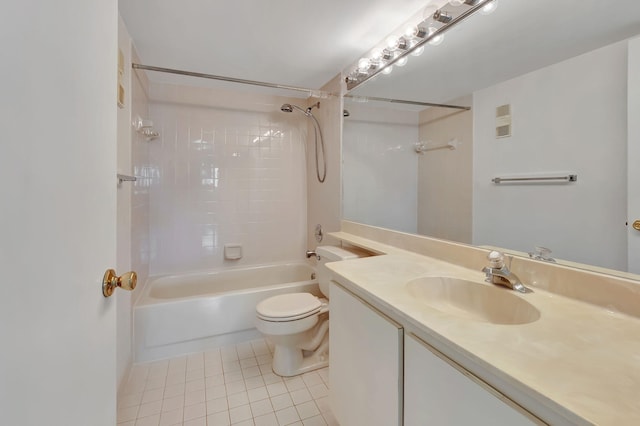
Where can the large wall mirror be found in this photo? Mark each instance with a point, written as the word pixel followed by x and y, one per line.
pixel 567 75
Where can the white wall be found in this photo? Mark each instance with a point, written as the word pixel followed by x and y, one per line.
pixel 568 117
pixel 228 167
pixel 324 200
pixel 444 175
pixel 380 167
pixel 133 200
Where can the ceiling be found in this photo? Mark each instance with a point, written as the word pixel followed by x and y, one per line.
pixel 300 43
pixel 518 37
pixel 306 43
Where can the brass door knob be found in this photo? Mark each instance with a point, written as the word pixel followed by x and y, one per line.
pixel 636 225
pixel 111 281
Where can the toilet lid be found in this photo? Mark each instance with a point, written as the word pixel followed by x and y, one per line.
pixel 287 307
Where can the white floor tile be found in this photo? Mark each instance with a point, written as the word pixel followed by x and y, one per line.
pixel 266 420
pixel 150 408
pixel 216 392
pixel 307 410
pixel 235 387
pixel 254 382
pixel 171 418
pixel 276 389
pixel 260 408
pixel 248 422
pixel 202 421
pixel 131 400
pixel 238 399
pixel 195 384
pixel 257 394
pixel 323 404
pixel 281 401
pixel 152 395
pixel 170 404
pixel 294 383
pixel 300 396
pixel 194 397
pixel 239 414
pixel 318 391
pixel 217 405
pixel 149 421
pixel 126 414
pixel 230 386
pixel 195 411
pixel 174 391
pixel 287 416
pixel 218 419
pixel 314 421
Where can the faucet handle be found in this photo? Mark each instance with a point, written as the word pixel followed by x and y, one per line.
pixel 496 259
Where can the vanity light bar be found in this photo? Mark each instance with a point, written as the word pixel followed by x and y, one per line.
pixel 382 59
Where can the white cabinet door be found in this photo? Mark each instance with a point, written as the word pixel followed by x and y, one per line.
pixel 435 393
pixel 365 363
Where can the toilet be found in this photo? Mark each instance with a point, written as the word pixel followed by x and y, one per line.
pixel 298 323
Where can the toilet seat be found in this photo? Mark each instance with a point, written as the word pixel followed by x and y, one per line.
pixel 288 307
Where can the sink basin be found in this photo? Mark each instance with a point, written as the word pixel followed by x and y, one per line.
pixel 472 300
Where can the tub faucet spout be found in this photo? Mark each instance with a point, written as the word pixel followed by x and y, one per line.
pixel 312 253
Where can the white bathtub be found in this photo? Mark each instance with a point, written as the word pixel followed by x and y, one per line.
pixel 179 314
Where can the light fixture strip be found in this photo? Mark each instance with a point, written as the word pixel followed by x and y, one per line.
pixel 438 32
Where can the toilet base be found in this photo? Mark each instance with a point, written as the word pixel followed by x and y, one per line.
pixel 289 361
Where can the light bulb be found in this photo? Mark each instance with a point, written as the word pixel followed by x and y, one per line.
pixel 489 7
pixel 437 39
pixel 392 42
pixel 429 11
pixel 363 64
pixel 387 70
pixel 402 61
pixel 419 51
pixel 411 32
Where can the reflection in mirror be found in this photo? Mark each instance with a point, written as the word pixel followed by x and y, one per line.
pixel 556 101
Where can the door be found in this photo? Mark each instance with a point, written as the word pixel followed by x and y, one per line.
pixel 633 157
pixel 57 212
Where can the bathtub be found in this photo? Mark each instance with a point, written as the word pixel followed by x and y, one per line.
pixel 180 314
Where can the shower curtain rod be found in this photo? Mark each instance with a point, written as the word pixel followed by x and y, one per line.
pixel 401 101
pixel 311 92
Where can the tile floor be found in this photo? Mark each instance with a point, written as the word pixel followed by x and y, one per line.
pixel 233 385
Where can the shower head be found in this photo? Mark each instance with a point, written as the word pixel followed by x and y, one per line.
pixel 291 107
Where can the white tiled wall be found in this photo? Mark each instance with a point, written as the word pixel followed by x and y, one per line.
pixel 225 174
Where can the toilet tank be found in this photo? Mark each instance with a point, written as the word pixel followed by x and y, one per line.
pixel 333 254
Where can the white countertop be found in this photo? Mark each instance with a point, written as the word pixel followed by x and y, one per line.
pixel 578 360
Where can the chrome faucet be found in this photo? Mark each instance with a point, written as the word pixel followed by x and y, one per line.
pixel 542 253
pixel 498 273
pixel 312 253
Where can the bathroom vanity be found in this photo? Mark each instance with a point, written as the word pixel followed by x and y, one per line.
pixel 422 339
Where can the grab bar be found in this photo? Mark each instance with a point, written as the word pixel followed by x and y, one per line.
pixel 567 178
